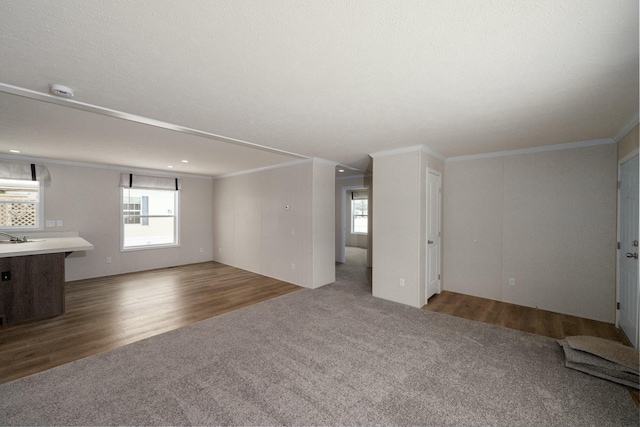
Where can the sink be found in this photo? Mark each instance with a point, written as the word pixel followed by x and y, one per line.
pixel 15 242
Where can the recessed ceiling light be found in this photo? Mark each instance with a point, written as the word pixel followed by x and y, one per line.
pixel 14 151
pixel 340 170
pixel 170 166
pixel 185 161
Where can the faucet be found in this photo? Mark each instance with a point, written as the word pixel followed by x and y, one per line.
pixel 13 238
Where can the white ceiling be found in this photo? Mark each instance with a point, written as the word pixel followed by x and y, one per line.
pixel 331 79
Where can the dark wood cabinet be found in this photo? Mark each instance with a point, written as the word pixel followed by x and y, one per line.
pixel 32 287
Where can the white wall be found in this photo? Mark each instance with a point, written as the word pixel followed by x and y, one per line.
pixel 473 227
pixel 87 200
pixel 547 219
pixel 254 230
pixel 399 221
pixel 324 267
pixel 280 227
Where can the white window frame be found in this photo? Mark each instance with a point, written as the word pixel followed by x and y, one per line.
pixel 353 215
pixel 39 210
pixel 176 224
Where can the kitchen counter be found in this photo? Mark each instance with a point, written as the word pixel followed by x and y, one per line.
pixel 32 276
pixel 44 245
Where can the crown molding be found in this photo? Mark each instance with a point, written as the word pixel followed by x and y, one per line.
pixel 569 145
pixel 432 153
pixel 266 168
pixel 629 156
pixel 324 161
pixel 70 103
pixel 624 130
pixel 395 151
pixel 412 149
pixel 154 172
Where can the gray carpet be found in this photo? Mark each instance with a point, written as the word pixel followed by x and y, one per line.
pixel 332 356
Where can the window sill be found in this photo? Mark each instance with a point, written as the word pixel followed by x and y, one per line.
pixel 150 247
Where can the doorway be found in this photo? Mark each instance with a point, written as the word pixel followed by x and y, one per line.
pixel 354 230
pixel 628 292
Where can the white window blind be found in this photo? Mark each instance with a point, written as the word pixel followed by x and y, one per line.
pixel 360 195
pixel 25 171
pixel 130 180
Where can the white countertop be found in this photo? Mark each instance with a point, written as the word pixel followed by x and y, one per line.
pixel 45 245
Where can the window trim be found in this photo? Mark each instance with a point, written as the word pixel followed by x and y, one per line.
pixel 40 223
pixel 176 224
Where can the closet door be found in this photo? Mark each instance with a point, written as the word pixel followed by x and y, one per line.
pixel 628 253
pixel 434 247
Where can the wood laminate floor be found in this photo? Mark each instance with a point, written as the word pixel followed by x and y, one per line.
pixel 109 312
pixel 532 320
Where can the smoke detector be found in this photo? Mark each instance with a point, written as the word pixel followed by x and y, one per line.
pixel 60 90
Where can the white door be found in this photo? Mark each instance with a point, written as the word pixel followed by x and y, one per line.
pixel 433 235
pixel 628 254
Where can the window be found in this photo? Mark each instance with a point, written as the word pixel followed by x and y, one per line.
pixel 149 218
pixel 359 216
pixel 131 210
pixel 20 205
pixel 136 210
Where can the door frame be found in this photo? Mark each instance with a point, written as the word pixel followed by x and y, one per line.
pixel 343 219
pixel 621 161
pixel 426 227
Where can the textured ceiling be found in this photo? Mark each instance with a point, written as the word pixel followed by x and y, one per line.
pixel 329 79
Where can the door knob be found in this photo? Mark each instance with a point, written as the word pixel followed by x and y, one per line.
pixel 430 242
pixel 632 255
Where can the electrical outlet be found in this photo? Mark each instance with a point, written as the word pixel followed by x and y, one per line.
pixel 401 282
pixel 201 250
pixel 293 266
pixel 50 223
pixel 59 223
pixel 512 281
pixel 108 260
